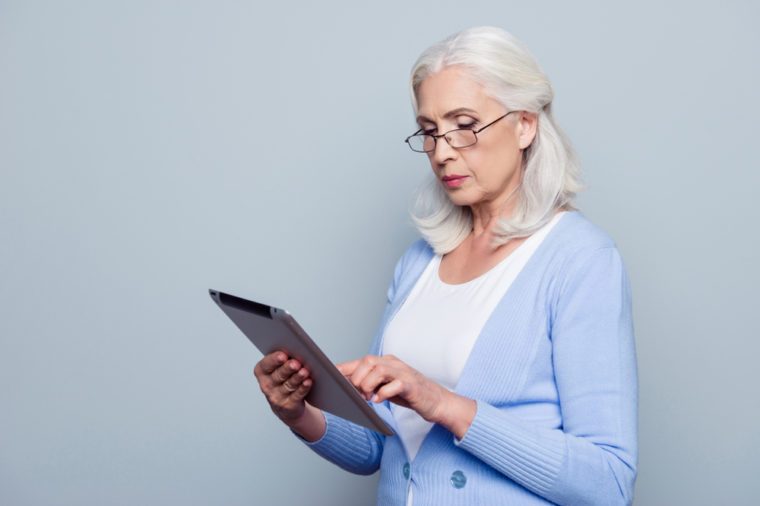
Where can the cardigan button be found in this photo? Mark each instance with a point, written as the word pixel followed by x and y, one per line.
pixel 458 479
pixel 406 470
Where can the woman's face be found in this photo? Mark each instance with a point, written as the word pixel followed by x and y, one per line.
pixel 486 172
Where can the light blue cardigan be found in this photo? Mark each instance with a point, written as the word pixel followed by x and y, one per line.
pixel 554 376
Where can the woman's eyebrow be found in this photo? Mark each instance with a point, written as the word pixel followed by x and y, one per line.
pixel 450 114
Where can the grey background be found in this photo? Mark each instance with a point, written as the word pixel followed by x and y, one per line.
pixel 150 150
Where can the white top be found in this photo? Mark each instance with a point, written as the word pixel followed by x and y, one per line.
pixel 436 327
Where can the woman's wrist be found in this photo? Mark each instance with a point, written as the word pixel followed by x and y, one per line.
pixel 311 425
pixel 457 414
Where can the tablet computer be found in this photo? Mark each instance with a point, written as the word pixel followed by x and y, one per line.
pixel 272 329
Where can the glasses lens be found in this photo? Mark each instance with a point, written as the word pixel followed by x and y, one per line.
pixel 461 138
pixel 421 143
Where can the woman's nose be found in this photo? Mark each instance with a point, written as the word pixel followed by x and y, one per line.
pixel 442 151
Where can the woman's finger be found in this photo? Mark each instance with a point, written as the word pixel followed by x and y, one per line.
pixel 285 371
pixel 291 384
pixel 393 389
pixel 269 363
pixel 347 368
pixel 302 391
pixel 375 378
pixel 363 368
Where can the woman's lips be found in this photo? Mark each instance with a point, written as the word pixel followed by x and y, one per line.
pixel 453 181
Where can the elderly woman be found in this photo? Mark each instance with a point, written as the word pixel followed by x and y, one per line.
pixel 505 357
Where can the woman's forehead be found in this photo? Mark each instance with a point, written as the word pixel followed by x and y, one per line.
pixel 450 90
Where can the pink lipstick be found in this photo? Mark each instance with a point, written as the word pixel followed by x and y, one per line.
pixel 453 181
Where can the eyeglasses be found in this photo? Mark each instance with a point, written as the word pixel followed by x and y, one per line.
pixel 457 138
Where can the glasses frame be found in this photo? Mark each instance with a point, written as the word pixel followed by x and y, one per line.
pixel 436 137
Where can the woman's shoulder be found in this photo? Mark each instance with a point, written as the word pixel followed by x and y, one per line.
pixel 410 265
pixel 419 248
pixel 576 233
pixel 418 253
pixel 579 244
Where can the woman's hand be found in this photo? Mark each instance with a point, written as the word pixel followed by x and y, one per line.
pixel 381 378
pixel 285 384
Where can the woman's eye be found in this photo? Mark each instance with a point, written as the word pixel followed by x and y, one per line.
pixel 468 126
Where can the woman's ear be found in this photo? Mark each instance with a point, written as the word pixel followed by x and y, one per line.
pixel 527 126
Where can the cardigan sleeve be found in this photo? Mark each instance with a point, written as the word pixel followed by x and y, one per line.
pixel 592 457
pixel 348 445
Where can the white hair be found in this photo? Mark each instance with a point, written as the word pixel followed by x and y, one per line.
pixel 551 173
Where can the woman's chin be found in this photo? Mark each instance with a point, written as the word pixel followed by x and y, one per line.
pixel 461 198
